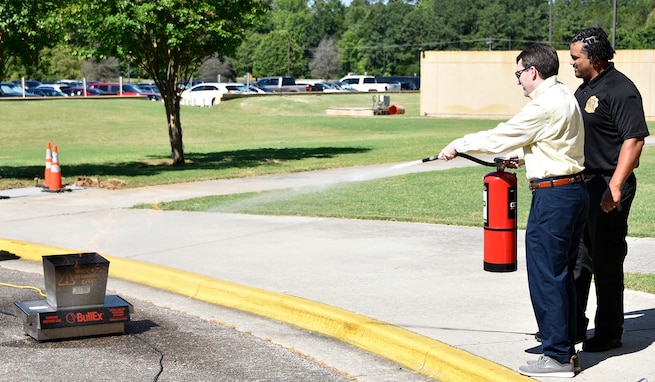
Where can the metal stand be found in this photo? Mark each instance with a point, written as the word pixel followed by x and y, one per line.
pixel 76 304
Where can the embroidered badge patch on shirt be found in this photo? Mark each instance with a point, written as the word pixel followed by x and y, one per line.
pixel 592 104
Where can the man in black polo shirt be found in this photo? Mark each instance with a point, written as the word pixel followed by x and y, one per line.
pixel 615 128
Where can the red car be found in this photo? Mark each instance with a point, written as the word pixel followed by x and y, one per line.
pixel 113 88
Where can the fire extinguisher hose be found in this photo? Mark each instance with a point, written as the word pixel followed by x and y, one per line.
pixel 471 158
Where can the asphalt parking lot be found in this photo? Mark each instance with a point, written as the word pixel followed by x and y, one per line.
pixel 185 343
pixel 159 345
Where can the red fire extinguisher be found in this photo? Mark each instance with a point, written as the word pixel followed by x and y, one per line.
pixel 499 214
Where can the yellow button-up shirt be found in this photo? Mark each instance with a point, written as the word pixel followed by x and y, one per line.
pixel 548 130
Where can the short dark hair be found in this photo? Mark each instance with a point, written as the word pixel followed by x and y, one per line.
pixel 595 44
pixel 543 57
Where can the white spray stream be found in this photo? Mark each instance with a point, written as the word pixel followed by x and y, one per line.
pixel 359 175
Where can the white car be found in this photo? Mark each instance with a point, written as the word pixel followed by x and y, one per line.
pixel 369 84
pixel 208 94
pixel 57 87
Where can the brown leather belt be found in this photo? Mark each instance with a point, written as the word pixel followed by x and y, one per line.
pixel 556 182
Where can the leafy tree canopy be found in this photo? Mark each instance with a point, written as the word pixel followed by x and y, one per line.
pixel 27 27
pixel 278 54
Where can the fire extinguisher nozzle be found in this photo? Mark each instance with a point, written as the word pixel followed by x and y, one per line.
pixel 429 159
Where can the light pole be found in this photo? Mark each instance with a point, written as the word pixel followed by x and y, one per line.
pixel 614 24
pixel 288 57
pixel 550 23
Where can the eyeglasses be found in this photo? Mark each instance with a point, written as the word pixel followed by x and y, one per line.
pixel 518 73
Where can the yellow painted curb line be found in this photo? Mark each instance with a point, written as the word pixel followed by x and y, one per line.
pixel 417 352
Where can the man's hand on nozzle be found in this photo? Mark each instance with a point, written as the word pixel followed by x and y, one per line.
pixel 509 161
pixel 512 159
pixel 512 162
pixel 448 152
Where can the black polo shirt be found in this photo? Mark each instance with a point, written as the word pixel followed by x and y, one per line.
pixel 612 110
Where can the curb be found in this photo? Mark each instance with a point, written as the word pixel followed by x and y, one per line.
pixel 419 353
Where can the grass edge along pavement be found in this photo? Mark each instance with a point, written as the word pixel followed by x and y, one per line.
pixel 419 353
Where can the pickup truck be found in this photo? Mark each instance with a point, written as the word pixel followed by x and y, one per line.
pixel 369 84
pixel 281 84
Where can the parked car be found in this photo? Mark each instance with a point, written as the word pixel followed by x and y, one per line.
pixel 70 83
pixel 148 86
pixel 369 84
pixel 48 92
pixel 342 86
pixel 114 88
pixel 209 93
pixel 251 88
pixel 183 86
pixel 10 89
pixel 325 87
pixel 57 87
pixel 281 84
pixel 29 84
pixel 79 92
pixel 406 82
pixel 317 86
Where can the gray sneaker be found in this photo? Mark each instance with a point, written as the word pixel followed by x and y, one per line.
pixel 575 360
pixel 545 366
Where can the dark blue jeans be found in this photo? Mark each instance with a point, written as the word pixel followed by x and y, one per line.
pixel 604 249
pixel 555 225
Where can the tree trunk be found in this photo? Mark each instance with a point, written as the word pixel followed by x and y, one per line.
pixel 172 104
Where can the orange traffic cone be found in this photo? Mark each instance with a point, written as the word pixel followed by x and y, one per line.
pixel 48 164
pixel 54 183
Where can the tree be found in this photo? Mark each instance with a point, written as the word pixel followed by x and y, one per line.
pixel 326 63
pixel 213 69
pixel 294 17
pixel 278 54
pixel 244 61
pixel 62 64
pixel 26 27
pixel 167 39
pixel 328 19
pixel 567 22
pixel 380 29
pixel 101 70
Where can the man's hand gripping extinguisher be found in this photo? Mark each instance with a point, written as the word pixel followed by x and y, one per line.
pixel 499 215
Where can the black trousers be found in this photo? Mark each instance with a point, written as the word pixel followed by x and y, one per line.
pixel 602 252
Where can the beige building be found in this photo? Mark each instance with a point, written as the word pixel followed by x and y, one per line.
pixel 483 85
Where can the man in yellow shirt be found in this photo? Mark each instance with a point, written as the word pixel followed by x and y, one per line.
pixel 548 136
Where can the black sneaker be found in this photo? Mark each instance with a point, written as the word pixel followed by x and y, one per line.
pixel 598 344
pixel 575 360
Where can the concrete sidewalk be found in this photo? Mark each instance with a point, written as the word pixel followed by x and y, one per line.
pixel 405 279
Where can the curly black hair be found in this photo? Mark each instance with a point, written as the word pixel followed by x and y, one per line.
pixel 595 44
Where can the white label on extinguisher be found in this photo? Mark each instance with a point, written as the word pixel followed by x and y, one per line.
pixel 511 198
pixel 485 204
